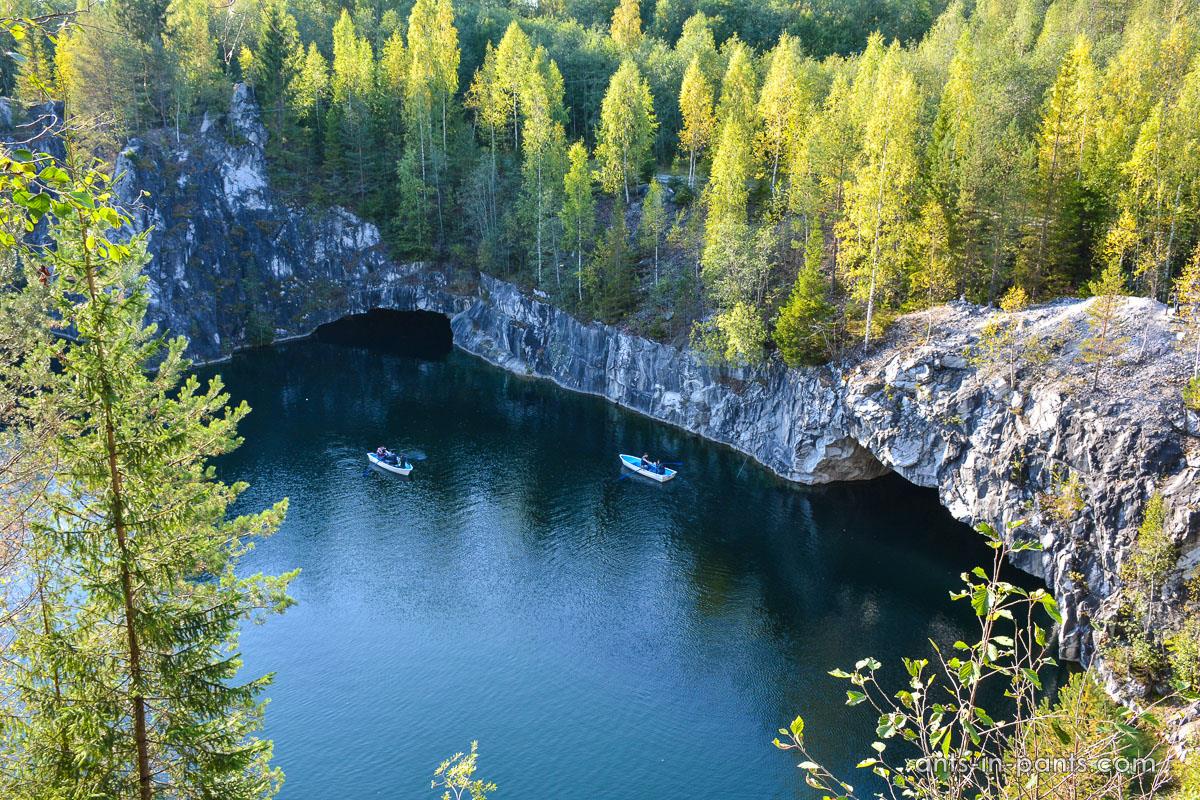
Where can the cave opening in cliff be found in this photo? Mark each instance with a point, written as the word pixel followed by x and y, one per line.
pixel 421 334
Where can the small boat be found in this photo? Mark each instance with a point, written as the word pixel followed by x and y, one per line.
pixel 634 463
pixel 403 468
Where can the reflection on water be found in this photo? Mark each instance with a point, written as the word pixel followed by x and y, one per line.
pixel 600 637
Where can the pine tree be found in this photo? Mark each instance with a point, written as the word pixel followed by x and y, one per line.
pixel 626 132
pixel 578 213
pixel 696 111
pixel 626 28
pixel 124 676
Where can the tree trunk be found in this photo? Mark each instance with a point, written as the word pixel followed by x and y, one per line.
pixel 141 740
pixel 875 248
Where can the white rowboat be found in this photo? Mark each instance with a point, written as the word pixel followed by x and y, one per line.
pixel 634 463
pixel 402 468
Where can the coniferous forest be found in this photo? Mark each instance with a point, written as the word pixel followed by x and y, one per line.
pixel 813 169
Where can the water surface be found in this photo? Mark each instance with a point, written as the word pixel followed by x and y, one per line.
pixel 601 638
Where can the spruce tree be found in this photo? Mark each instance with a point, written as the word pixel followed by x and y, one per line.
pixel 802 330
pixel 123 681
pixel 273 63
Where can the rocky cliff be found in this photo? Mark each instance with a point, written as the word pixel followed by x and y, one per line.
pixel 232 264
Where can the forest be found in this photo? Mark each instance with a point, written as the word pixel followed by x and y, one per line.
pixel 783 178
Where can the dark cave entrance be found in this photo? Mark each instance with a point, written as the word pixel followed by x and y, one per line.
pixel 421 334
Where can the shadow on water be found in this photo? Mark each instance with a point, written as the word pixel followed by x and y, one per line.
pixel 601 637
pixel 417 334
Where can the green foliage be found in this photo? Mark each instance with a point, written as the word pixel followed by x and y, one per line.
pixel 1064 499
pixel 654 221
pixel 609 283
pixel 877 224
pixel 936 738
pixel 802 330
pixel 1133 642
pixel 696 112
pixel 1002 143
pixel 1002 346
pixel 626 132
pixel 1103 345
pixel 122 678
pixel 1191 393
pixel 1183 647
pixel 578 213
pixel 456 776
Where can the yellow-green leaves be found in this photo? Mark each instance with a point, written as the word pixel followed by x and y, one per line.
pixel 626 132
pixel 696 111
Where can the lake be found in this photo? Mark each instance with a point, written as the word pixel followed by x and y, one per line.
pixel 602 637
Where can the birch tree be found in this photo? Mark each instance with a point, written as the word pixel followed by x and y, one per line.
pixel 876 227
pixel 696 111
pixel 626 132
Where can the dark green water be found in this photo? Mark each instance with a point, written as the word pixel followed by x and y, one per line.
pixel 600 638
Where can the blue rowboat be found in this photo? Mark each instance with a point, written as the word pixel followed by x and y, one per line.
pixel 662 474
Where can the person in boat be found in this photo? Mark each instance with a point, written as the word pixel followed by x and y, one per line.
pixel 645 461
pixel 658 467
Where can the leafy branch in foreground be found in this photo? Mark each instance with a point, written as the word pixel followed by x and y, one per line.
pixel 973 721
pixel 456 775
